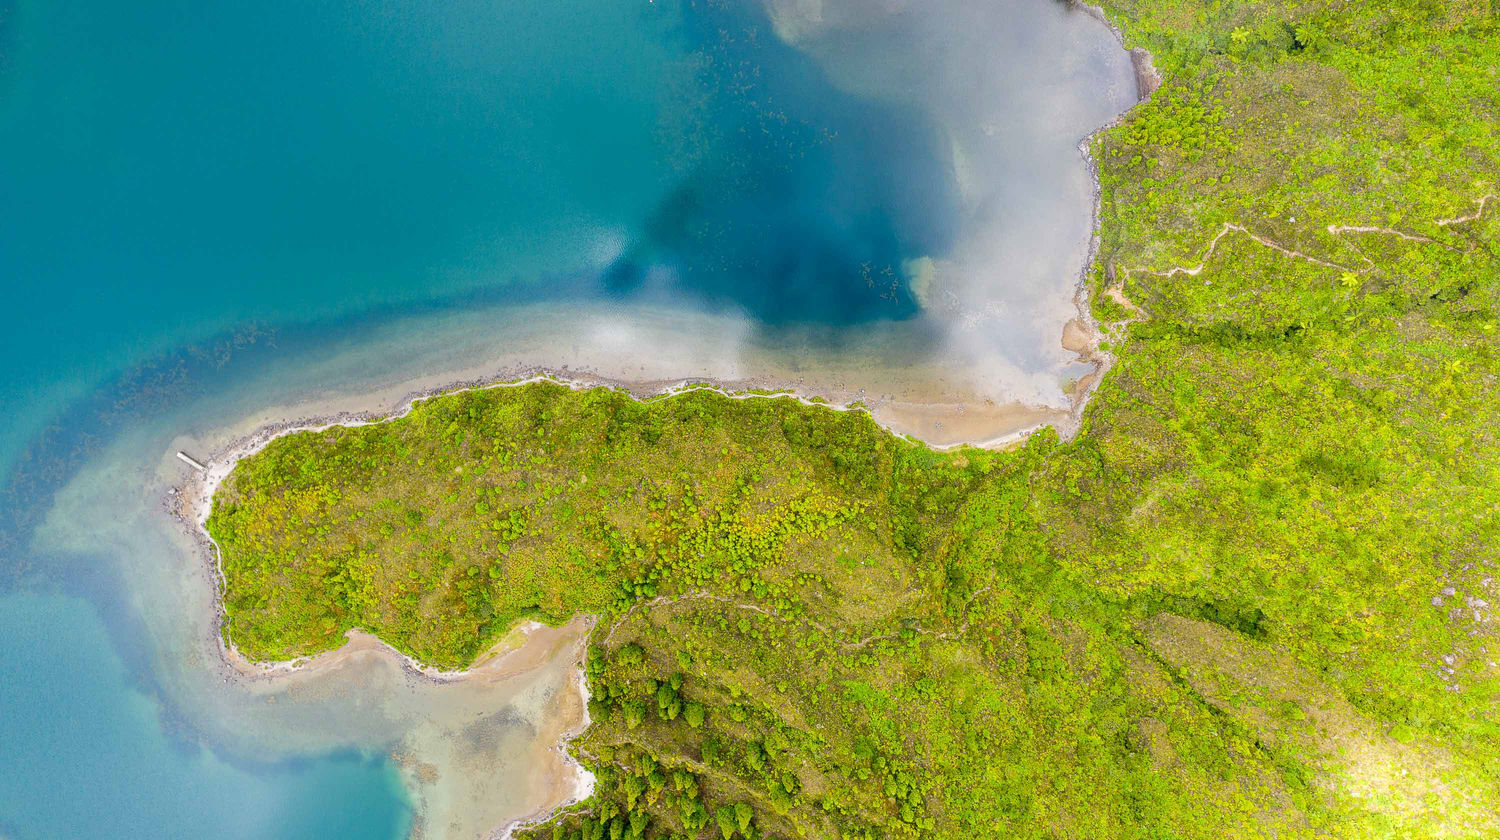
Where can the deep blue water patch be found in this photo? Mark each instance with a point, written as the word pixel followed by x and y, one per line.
pixel 807 201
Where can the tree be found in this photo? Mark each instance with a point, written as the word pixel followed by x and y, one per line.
pixel 635 712
pixel 633 788
pixel 631 654
pixel 693 714
pixel 725 817
pixel 742 815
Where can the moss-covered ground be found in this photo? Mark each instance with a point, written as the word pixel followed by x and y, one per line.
pixel 1254 597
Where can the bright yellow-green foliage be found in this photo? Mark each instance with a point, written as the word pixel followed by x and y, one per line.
pixel 1255 597
pixel 438 531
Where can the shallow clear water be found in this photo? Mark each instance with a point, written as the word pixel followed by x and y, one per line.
pixel 87 755
pixel 214 215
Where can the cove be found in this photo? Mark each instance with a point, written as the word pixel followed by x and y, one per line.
pixel 220 216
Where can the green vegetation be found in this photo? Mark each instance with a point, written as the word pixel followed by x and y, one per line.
pixel 1253 598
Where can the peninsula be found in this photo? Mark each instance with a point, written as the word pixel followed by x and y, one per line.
pixel 1252 597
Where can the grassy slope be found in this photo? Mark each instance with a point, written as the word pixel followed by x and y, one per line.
pixel 1245 602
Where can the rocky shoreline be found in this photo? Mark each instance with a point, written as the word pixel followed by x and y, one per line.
pixel 1083 334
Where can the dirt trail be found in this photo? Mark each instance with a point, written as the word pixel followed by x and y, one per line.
pixel 1116 290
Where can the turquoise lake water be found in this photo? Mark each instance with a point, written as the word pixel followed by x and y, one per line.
pixel 207 208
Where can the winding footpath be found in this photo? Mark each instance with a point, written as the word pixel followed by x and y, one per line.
pixel 1116 290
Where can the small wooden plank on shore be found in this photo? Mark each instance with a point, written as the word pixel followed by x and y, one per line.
pixel 191 461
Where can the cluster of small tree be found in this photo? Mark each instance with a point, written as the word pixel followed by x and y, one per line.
pixel 638 796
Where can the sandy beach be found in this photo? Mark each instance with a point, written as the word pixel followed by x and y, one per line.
pixel 528 655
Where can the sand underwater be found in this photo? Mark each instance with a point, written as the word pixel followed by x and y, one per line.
pixel 223 219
